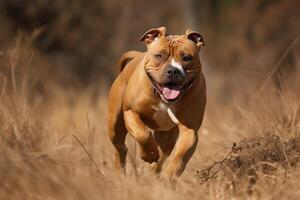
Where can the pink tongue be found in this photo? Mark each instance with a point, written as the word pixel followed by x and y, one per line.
pixel 170 94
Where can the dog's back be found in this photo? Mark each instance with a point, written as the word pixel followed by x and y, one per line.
pixel 127 57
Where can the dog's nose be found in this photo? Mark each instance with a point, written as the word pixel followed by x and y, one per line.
pixel 173 72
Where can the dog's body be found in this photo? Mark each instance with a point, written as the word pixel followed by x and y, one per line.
pixel 163 90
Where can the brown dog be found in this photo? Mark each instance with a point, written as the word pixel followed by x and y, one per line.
pixel 159 99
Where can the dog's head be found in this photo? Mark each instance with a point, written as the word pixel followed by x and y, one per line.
pixel 172 61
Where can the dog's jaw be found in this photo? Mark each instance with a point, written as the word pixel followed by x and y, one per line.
pixel 161 90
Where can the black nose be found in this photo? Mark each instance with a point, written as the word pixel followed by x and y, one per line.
pixel 173 72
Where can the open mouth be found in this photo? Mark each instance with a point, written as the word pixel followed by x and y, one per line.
pixel 170 91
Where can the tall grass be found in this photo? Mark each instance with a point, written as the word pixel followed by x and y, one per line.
pixel 41 159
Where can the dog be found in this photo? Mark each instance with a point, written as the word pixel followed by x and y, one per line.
pixel 159 98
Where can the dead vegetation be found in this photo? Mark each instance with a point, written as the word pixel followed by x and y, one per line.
pixel 54 82
pixel 53 143
pixel 255 157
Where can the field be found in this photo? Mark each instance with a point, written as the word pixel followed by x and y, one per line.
pixel 53 140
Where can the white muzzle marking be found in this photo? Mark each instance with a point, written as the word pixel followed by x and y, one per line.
pixel 177 65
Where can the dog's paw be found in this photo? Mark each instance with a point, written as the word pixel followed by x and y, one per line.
pixel 150 157
pixel 149 151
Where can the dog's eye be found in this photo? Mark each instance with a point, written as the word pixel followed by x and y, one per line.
pixel 158 56
pixel 187 58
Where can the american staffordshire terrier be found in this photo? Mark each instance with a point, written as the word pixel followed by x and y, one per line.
pixel 159 98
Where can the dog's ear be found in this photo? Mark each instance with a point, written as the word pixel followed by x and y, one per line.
pixel 195 37
pixel 152 34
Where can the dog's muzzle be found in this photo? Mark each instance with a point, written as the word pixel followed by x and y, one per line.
pixel 174 87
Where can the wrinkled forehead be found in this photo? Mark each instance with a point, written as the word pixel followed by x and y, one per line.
pixel 172 44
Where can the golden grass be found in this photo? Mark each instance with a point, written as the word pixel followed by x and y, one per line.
pixel 41 159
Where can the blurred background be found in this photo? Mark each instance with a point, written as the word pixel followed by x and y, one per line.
pixel 58 59
pixel 67 51
pixel 77 43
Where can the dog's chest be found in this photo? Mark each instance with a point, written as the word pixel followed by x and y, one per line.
pixel 162 118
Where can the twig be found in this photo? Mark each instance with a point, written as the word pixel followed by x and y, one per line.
pixel 13 75
pixel 27 72
pixel 3 87
pixel 89 155
pixel 135 154
pixel 206 175
pixel 91 135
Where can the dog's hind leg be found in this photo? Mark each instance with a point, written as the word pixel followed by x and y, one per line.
pixel 116 126
pixel 117 134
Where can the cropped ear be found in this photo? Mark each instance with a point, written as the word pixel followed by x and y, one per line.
pixel 152 34
pixel 195 37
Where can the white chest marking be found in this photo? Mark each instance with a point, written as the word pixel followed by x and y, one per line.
pixel 165 117
pixel 172 116
pixel 177 65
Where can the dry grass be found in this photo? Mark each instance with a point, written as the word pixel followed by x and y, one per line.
pixel 41 159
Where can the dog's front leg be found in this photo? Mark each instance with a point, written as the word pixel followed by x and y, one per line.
pixel 138 130
pixel 182 152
